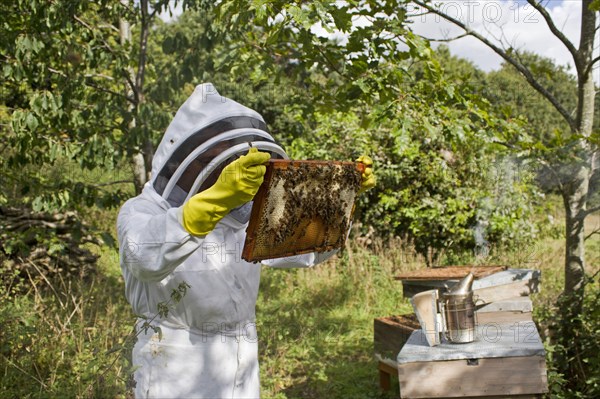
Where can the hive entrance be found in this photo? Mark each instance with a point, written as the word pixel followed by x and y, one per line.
pixel 302 206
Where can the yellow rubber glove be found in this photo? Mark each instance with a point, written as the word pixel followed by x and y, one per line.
pixel 237 184
pixel 368 177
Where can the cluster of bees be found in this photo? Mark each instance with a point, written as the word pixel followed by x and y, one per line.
pixel 315 191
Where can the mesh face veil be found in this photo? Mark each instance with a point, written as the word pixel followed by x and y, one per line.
pixel 197 162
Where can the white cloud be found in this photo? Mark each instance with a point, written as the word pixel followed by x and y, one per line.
pixel 172 13
pixel 509 23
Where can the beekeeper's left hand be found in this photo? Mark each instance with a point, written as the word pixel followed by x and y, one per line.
pixel 368 177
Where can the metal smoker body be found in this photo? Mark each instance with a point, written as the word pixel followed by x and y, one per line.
pixel 450 314
pixel 458 312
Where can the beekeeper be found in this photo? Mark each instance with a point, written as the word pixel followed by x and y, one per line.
pixel 187 228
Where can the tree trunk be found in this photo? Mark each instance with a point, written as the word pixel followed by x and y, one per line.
pixel 576 185
pixel 575 196
pixel 141 160
pixel 147 146
pixel 575 201
pixel 138 167
pixel 148 152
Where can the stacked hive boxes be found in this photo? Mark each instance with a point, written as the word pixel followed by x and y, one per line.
pixel 507 359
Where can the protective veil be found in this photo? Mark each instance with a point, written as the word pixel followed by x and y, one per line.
pixel 209 344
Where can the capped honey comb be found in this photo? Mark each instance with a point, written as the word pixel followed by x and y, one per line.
pixel 301 207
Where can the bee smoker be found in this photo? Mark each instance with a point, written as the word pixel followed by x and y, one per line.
pixel 458 312
pixel 450 314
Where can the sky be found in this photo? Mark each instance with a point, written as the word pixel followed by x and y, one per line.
pixel 514 21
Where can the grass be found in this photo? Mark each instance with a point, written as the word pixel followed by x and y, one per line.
pixel 316 325
pixel 70 338
pixel 59 334
pixel 57 338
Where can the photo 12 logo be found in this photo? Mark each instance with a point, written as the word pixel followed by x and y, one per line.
pixel 517 332
pixel 472 12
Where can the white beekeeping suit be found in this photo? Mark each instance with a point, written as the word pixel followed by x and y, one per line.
pixel 209 344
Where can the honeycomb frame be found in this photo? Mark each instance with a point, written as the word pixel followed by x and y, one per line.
pixel 301 207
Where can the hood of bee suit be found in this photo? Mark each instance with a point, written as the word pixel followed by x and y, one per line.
pixel 208 132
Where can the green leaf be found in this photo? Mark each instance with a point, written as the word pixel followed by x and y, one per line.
pixel 342 18
pixel 301 16
pixel 31 122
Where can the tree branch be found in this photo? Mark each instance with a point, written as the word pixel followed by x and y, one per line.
pixel 86 25
pixel 511 60
pixel 331 64
pixel 16 366
pixel 98 75
pixel 592 210
pixel 416 15
pixel 559 35
pixel 153 13
pixel 505 144
pixel 131 84
pixel 553 172
pixel 597 231
pixel 592 62
pixel 109 26
pixel 114 93
pixel 82 22
pixel 445 40
pixel 56 71
pixel 112 183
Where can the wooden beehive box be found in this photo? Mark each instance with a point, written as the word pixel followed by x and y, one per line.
pixel 506 284
pixel 506 311
pixel 431 278
pixel 302 206
pixel 505 361
pixel 492 283
pixel 391 333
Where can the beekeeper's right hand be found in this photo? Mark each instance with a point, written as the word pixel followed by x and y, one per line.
pixel 238 183
pixel 368 180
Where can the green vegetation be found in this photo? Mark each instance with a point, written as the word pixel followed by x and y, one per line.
pixel 83 103
pixel 71 338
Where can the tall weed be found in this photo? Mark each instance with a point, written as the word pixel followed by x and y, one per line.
pixel 316 325
pixel 59 337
